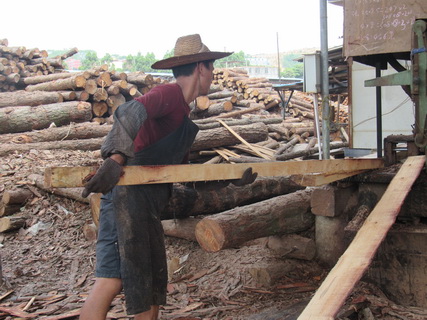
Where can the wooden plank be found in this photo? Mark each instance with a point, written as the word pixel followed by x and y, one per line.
pixel 374 27
pixel 65 177
pixel 319 179
pixel 339 283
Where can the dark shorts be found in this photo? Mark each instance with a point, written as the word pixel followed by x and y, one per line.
pixel 107 249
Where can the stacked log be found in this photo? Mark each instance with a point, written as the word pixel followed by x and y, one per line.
pixel 10 204
pixel 17 63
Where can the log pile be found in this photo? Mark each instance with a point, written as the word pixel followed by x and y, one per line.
pixel 17 63
pixel 240 120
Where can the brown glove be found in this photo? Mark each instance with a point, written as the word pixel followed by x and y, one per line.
pixel 104 179
pixel 247 178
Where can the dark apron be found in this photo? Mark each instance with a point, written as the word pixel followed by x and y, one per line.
pixel 140 232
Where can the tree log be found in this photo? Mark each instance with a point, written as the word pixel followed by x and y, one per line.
pixel 181 228
pixel 283 214
pixel 292 246
pixel 25 98
pixel 21 119
pixel 219 137
pixel 216 109
pixel 68 95
pixel 46 78
pixel 99 108
pixel 140 78
pixel 85 144
pixel 18 196
pixel 9 209
pixel 187 201
pixel 72 132
pixel 72 83
pixel 11 223
pixel 91 86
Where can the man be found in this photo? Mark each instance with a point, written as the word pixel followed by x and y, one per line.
pixel 151 130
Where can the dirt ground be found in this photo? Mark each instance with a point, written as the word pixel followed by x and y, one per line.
pixel 48 265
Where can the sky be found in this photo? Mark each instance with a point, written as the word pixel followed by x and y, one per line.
pixel 128 26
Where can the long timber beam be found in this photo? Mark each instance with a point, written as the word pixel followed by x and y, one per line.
pixel 65 177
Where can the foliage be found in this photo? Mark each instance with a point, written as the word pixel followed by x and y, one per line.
pixel 296 71
pixel 236 59
pixel 90 60
pixel 139 62
pixel 290 67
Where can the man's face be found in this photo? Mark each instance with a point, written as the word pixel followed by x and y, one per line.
pixel 206 77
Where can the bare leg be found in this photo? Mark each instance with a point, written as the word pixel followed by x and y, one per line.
pixel 100 297
pixel 152 314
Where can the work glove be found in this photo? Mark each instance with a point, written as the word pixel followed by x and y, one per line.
pixel 247 178
pixel 105 178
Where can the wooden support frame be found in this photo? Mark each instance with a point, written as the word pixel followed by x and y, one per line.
pixel 65 177
pixel 339 283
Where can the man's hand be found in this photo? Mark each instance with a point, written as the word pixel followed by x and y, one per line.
pixel 105 178
pixel 247 178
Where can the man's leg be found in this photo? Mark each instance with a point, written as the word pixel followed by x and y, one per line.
pixel 152 314
pixel 100 297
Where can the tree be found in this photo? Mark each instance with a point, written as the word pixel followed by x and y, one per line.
pixel 107 59
pixel 296 71
pixel 233 60
pixel 139 62
pixel 91 60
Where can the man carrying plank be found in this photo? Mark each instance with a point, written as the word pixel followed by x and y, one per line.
pixel 154 129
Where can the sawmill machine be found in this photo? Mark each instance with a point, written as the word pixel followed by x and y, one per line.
pixel 413 82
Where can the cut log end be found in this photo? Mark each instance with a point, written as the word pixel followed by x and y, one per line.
pixel 209 235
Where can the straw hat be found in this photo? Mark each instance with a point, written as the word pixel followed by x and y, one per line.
pixel 189 49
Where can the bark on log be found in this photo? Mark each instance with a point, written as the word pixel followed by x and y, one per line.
pixel 68 95
pixel 72 83
pixel 140 78
pixel 18 196
pixel 207 139
pixel 181 228
pixel 9 209
pixel 72 132
pixel 82 95
pixel 21 119
pixel 86 144
pixel 308 152
pixel 292 246
pixel 46 78
pixel 283 214
pixel 11 223
pixel 187 201
pixel 216 109
pixel 25 98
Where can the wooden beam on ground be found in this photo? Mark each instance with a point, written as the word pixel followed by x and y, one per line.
pixel 339 283
pixel 65 177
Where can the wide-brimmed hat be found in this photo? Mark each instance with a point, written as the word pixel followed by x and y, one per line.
pixel 189 49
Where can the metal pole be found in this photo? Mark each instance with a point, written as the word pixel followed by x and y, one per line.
pixel 316 119
pixel 278 55
pixel 325 78
pixel 379 113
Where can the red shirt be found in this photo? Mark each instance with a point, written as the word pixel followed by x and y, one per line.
pixel 166 109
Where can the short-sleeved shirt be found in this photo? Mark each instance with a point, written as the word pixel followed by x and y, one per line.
pixel 166 109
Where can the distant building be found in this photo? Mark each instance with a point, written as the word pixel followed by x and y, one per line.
pixel 73 64
pixel 260 66
pixel 117 64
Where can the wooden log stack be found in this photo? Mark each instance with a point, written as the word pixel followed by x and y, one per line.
pixel 17 63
